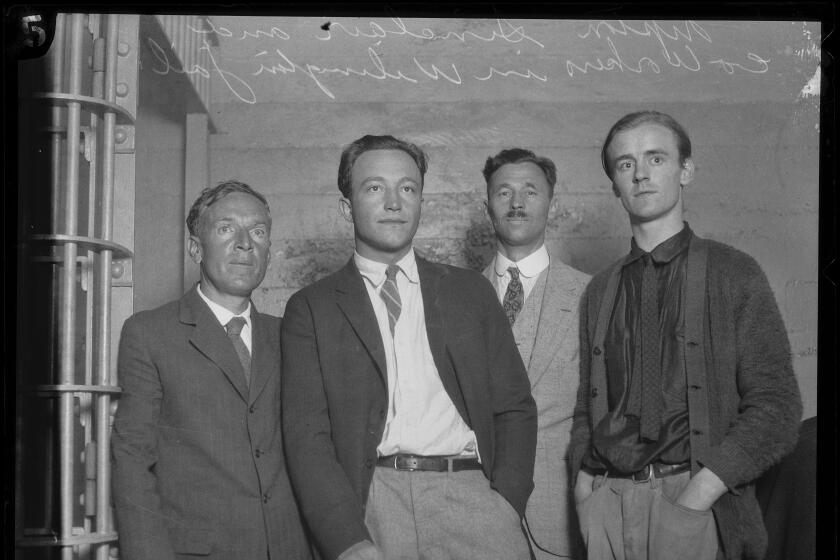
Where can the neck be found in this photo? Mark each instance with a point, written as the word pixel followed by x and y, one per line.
pixel 234 304
pixel 650 234
pixel 381 256
pixel 518 252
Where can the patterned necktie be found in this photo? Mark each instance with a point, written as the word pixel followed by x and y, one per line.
pixel 391 296
pixel 234 327
pixel 651 354
pixel 514 296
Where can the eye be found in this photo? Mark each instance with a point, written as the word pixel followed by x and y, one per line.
pixel 625 165
pixel 259 232
pixel 225 229
pixel 409 188
pixel 374 187
pixel 657 159
pixel 532 193
pixel 503 193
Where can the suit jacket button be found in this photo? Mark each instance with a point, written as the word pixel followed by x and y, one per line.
pixel 597 351
pixel 258 452
pixel 696 432
pixel 369 463
pixel 265 498
pixel 251 409
pixel 382 414
pixel 594 392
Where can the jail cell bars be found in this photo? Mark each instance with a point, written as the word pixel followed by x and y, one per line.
pixel 73 275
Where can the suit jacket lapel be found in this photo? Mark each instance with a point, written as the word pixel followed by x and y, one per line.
pixel 354 302
pixel 210 339
pixel 264 362
pixel 556 318
pixel 430 276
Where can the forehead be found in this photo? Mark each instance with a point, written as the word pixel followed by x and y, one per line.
pixel 391 164
pixel 642 138
pixel 526 172
pixel 237 205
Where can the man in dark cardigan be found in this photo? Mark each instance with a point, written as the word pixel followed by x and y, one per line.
pixel 687 392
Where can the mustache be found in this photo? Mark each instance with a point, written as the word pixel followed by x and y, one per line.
pixel 516 214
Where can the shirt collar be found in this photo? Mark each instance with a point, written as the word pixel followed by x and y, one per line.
pixel 374 271
pixel 529 267
pixel 223 314
pixel 665 251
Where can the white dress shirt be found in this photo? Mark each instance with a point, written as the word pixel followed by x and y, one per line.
pixel 529 270
pixel 421 417
pixel 224 315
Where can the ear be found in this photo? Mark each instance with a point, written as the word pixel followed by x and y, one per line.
pixel 194 249
pixel 687 173
pixel 346 209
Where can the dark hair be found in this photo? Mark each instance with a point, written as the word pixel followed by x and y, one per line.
pixel 211 195
pixel 352 151
pixel 520 155
pixel 639 118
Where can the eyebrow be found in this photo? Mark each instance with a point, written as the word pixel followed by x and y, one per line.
pixel 382 179
pixel 654 152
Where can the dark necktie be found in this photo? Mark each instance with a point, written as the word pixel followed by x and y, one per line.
pixel 514 296
pixel 651 354
pixel 234 327
pixel 391 296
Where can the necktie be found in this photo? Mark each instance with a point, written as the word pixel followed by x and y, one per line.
pixel 651 354
pixel 391 296
pixel 514 296
pixel 234 327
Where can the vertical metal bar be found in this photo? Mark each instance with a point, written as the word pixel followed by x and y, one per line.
pixel 68 285
pixel 103 401
pixel 56 86
pixel 56 74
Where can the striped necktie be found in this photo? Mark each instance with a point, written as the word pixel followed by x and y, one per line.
pixel 391 296
pixel 234 327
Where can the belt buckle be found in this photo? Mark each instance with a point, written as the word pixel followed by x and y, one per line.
pixel 647 472
pixel 399 468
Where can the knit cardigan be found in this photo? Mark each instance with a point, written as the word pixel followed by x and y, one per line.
pixel 743 398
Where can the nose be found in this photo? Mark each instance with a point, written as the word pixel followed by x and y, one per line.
pixel 640 173
pixel 243 240
pixel 517 200
pixel 392 200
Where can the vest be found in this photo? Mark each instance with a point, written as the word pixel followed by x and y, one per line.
pixel 525 326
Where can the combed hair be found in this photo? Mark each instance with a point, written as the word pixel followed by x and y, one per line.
pixel 520 155
pixel 211 195
pixel 639 118
pixel 352 151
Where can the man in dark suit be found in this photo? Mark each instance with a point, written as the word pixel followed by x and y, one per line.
pixel 197 450
pixel 409 424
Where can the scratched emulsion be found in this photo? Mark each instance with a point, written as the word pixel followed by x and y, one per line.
pixel 288 93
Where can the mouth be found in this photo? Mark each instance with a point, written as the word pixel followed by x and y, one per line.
pixel 644 193
pixel 392 222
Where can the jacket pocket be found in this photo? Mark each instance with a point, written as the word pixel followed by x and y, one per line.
pixel 191 541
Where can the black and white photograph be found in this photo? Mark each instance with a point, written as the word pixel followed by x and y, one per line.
pixel 334 285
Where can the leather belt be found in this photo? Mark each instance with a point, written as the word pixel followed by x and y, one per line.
pixel 653 470
pixel 436 463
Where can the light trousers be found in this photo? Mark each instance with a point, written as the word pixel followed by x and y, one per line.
pixel 625 520
pixel 423 515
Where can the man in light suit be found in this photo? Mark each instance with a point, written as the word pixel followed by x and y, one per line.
pixel 540 295
pixel 409 424
pixel 197 451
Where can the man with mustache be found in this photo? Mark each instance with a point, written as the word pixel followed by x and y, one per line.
pixel 540 295
pixel 409 423
pixel 197 450
pixel 687 392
